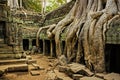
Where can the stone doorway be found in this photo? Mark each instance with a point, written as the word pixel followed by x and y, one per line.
pixel 2 31
pixel 112 57
pixel 25 44
pixel 34 42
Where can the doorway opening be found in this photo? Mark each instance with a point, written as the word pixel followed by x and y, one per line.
pixel 34 42
pixel 112 58
pixel 25 44
pixel 54 48
pixel 2 31
pixel 47 47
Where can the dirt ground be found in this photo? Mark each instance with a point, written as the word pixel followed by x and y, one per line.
pixel 42 61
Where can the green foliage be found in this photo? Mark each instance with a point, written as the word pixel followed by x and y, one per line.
pixel 33 5
pixel 53 4
pixel 36 5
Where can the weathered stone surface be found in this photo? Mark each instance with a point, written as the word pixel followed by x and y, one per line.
pixel 90 78
pixel 20 67
pixel 35 73
pixel 112 76
pixel 77 76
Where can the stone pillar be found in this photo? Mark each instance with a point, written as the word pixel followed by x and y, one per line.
pixel 43 47
pixel 30 44
pixel 51 48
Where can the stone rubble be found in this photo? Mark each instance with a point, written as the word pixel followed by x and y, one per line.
pixel 76 71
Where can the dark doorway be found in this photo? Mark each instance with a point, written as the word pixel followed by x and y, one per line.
pixel 54 48
pixel 34 42
pixel 25 44
pixel 2 31
pixel 47 47
pixel 112 57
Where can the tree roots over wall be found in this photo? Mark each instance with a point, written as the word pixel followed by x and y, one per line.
pixel 86 25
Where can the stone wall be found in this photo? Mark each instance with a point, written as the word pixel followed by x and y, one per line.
pixel 22 24
pixel 3 11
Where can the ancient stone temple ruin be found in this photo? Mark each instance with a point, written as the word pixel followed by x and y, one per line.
pixel 22 30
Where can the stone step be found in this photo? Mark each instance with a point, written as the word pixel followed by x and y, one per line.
pixel 18 67
pixel 5 47
pixel 13 61
pixel 6 51
pixel 8 55
pixel 14 68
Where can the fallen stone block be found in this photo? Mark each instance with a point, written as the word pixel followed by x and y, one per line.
pixel 62 68
pixel 35 66
pixel 63 60
pixel 28 57
pixel 62 76
pixel 90 78
pixel 31 61
pixel 75 68
pixel 15 68
pixel 34 73
pixel 100 75
pixel 86 72
pixel 42 68
pixel 51 76
pixel 77 76
pixel 23 55
pixel 112 76
pixel 51 64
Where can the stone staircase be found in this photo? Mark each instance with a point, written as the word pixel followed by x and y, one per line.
pixel 5 50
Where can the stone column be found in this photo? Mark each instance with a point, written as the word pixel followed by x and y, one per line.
pixel 51 48
pixel 30 44
pixel 43 47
